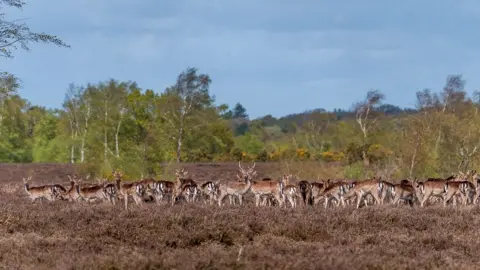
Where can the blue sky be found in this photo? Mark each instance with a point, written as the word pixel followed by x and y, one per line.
pixel 273 56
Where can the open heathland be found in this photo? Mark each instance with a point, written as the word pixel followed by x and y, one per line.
pixel 63 235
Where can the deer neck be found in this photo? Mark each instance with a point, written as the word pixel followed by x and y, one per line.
pixel 247 187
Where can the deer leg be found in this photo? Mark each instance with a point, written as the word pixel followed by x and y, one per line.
pixel 447 197
pixel 376 197
pixel 359 199
pixel 425 198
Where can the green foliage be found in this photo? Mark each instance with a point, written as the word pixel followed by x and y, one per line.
pixel 354 171
pixel 117 125
pixel 241 129
pixel 250 144
pixel 239 111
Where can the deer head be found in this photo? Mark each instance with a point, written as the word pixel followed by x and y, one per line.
pixel 26 179
pixel 117 175
pixel 246 174
pixel 182 173
pixel 286 178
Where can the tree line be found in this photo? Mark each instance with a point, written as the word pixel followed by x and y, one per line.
pixel 115 123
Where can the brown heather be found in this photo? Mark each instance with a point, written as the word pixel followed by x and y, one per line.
pixel 62 235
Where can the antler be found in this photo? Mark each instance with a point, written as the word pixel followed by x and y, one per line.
pixel 25 180
pixel 180 172
pixel 242 170
pixel 253 167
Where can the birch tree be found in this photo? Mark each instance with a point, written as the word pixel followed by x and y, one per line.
pixel 71 106
pixel 9 85
pixel 182 106
pixel 366 119
pixel 85 116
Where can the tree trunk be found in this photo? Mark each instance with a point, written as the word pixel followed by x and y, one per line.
pixel 1 116
pixel 366 162
pixel 105 134
pixel 72 147
pixel 72 153
pixel 179 143
pixel 82 151
pixel 414 157
pixel 117 147
pixel 84 135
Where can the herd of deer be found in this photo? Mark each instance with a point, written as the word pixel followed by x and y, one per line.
pixel 463 187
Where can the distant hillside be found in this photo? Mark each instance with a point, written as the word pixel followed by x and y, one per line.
pixel 288 123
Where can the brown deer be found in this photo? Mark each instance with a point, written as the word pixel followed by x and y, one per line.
pixel 237 188
pixel 125 190
pixel 40 192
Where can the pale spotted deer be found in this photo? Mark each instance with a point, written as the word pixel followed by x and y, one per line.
pixel 127 190
pixel 237 188
pixel 164 189
pixel 386 191
pixel 189 192
pixel 91 192
pixel 461 186
pixel 317 189
pixel 363 188
pixel 431 187
pixel 403 191
pixel 209 189
pixel 47 192
pixel 332 191
pixel 180 187
pixel 149 185
pixel 110 192
pixel 71 194
pixel 269 187
pixel 290 191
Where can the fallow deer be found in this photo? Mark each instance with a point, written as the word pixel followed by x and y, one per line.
pixel 91 192
pixel 461 186
pixel 403 191
pixel 290 192
pixel 332 191
pixel 163 189
pixel 126 190
pixel 45 191
pixel 361 189
pixel 179 189
pixel 317 189
pixel 237 188
pixel 149 185
pixel 431 187
pixel 71 194
pixel 386 192
pixel 268 187
pixel 210 190
pixel 305 190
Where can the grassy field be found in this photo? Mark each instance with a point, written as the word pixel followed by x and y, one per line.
pixel 63 235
